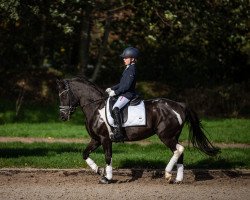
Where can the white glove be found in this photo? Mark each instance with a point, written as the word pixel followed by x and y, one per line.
pixel 112 93
pixel 108 90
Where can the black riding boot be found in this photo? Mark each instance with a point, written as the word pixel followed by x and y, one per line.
pixel 118 131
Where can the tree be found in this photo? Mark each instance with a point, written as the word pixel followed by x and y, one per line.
pixel 180 40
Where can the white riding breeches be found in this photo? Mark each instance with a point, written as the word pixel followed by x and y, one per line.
pixel 121 102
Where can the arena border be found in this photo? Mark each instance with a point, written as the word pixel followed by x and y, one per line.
pixel 190 174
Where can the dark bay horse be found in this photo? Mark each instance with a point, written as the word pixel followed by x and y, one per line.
pixel 165 118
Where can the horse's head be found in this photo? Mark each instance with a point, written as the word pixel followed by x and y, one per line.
pixel 68 102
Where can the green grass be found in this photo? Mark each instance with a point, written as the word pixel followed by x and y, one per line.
pixel 34 113
pixel 54 130
pixel 43 121
pixel 223 130
pixel 228 130
pixel 43 155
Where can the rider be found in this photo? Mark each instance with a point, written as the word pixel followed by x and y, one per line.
pixel 125 90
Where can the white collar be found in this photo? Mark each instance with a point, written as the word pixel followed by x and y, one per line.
pixel 129 65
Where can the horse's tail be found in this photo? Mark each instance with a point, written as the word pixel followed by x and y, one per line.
pixel 197 136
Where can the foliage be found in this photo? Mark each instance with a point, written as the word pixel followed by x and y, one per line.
pixel 181 40
pixel 193 42
pixel 184 44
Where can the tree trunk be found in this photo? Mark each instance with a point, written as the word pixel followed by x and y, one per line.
pixel 19 101
pixel 102 47
pixel 42 38
pixel 84 39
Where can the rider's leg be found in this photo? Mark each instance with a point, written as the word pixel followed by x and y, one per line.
pixel 120 103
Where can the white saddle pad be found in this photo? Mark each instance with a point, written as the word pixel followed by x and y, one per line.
pixel 136 115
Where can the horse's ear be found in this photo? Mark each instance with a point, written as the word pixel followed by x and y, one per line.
pixel 58 81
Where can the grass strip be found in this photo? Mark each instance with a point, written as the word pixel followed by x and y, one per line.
pixel 154 156
pixel 220 130
pixel 44 130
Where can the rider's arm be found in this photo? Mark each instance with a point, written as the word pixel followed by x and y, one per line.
pixel 115 87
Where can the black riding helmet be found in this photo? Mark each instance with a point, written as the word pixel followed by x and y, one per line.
pixel 130 52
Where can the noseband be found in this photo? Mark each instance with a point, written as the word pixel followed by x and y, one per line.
pixel 72 106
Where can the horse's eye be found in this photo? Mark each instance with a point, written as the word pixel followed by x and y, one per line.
pixel 64 96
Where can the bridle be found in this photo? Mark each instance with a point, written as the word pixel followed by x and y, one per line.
pixel 67 110
pixel 72 106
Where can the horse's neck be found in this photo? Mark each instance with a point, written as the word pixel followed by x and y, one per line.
pixel 91 111
pixel 86 93
pixel 93 103
pixel 89 96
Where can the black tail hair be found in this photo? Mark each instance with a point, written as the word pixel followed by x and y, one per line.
pixel 197 136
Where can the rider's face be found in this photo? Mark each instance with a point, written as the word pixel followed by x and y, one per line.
pixel 127 61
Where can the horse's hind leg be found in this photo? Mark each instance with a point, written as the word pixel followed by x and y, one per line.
pixel 180 169
pixel 177 150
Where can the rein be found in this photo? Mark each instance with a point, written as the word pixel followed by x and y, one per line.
pixel 103 98
pixel 63 92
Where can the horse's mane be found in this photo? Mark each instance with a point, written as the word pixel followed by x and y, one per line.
pixel 83 79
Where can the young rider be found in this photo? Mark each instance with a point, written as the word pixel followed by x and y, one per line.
pixel 125 90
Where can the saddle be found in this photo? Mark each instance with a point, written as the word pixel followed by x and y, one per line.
pixel 124 111
pixel 132 114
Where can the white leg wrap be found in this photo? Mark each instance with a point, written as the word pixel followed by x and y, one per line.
pixel 180 148
pixel 172 162
pixel 175 157
pixel 92 164
pixel 180 170
pixel 109 172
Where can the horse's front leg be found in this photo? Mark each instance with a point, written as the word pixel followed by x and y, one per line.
pixel 93 145
pixel 107 147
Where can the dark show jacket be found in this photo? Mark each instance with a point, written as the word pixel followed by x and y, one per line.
pixel 126 87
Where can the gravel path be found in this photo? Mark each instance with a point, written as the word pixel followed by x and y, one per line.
pixel 128 184
pixel 135 184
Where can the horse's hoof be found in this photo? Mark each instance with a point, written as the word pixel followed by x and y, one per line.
pixel 104 180
pixel 175 182
pixel 168 176
pixel 100 171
